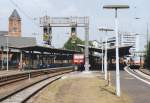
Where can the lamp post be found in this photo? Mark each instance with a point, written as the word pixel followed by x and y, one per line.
pixel 7 52
pixel 2 48
pixel 105 57
pixel 116 7
pixel 147 37
pixel 86 51
pixel 102 58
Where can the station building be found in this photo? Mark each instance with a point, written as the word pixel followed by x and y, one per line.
pixel 25 49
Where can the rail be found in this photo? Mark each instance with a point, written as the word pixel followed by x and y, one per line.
pixel 4 80
pixel 55 74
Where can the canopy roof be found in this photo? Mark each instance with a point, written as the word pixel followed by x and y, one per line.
pixel 123 50
pixel 46 49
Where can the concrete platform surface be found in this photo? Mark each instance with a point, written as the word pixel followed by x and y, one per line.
pixel 10 72
pixel 16 71
pixel 79 87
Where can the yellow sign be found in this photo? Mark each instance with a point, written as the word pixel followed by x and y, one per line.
pixel 45 37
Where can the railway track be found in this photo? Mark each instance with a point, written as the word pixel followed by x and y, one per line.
pixel 5 80
pixel 23 94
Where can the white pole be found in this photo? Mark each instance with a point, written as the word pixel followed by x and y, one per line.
pixel 7 52
pixel 2 60
pixel 147 37
pixel 105 58
pixel 29 75
pixel 86 51
pixel 102 58
pixel 117 57
pixel 21 60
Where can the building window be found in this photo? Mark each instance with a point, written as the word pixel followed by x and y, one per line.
pixel 14 29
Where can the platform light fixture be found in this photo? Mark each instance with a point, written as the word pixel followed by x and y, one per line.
pixel 116 7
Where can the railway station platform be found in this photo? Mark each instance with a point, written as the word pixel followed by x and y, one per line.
pixel 11 72
pixel 14 72
pixel 79 87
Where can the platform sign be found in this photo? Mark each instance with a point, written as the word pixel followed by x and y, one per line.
pixel 78 58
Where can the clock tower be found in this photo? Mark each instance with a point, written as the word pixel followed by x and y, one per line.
pixel 14 24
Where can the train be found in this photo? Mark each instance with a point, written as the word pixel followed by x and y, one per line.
pixel 135 62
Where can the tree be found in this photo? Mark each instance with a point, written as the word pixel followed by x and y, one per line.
pixel 72 43
pixel 147 58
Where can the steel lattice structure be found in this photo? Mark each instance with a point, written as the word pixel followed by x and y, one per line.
pixel 49 22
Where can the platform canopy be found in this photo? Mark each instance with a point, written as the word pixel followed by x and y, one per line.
pixel 46 49
pixel 123 50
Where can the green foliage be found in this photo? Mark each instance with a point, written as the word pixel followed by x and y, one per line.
pixel 90 43
pixel 71 44
pixel 147 58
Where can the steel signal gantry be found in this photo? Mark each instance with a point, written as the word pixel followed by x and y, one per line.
pixel 73 22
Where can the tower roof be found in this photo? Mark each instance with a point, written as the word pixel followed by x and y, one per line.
pixel 14 15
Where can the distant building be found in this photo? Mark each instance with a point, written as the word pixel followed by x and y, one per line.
pixel 14 24
pixel 111 41
pixel 95 44
pixel 14 29
pixel 14 33
pixel 3 33
pixel 17 42
pixel 127 38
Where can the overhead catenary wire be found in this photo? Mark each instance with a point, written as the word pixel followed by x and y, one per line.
pixel 39 6
pixel 17 6
pixel 26 14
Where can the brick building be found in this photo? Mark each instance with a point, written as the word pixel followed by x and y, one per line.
pixel 14 24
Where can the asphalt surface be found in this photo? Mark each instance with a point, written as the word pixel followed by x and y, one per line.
pixel 138 91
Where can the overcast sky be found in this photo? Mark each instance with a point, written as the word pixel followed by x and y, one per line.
pixel 30 9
